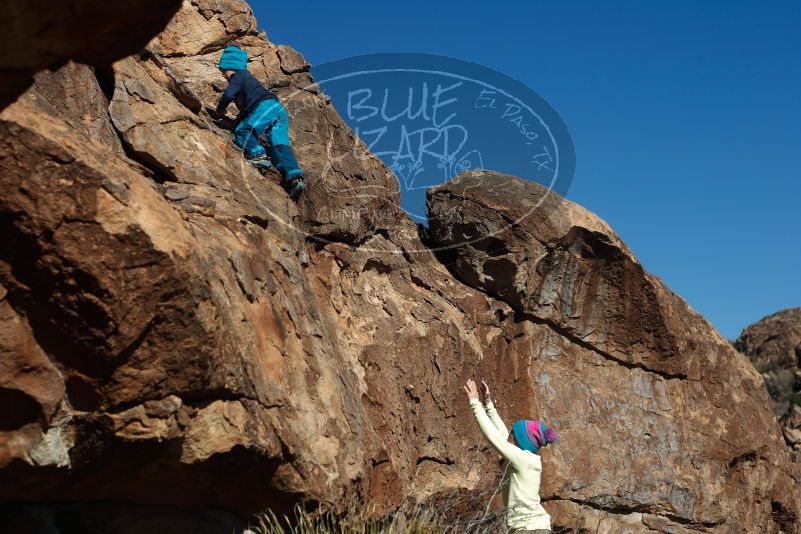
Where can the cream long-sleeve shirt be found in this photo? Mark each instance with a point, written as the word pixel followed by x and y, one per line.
pixel 521 479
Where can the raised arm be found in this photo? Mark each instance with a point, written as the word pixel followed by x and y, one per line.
pixel 511 453
pixel 493 413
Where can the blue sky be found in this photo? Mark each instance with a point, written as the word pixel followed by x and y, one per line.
pixel 686 117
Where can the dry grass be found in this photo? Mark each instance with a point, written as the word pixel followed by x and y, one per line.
pixel 415 519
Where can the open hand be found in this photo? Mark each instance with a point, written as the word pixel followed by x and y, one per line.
pixel 471 389
pixel 487 397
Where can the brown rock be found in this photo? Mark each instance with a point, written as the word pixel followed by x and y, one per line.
pixel 31 393
pixel 156 420
pixel 202 26
pixel 292 62
pixel 129 297
pixel 791 427
pixel 773 345
pixel 350 192
pixel 530 248
pixel 565 274
pixel 27 377
pixel 77 96
pixel 42 33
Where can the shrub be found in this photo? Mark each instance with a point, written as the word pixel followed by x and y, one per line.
pixel 766 367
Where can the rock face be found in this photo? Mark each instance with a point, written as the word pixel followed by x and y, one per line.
pixel 175 333
pixel 774 346
pixel 42 33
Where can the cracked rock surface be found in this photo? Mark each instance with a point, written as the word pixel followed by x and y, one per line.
pixel 773 344
pixel 179 340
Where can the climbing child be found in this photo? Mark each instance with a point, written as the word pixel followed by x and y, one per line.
pixel 259 112
pixel 523 467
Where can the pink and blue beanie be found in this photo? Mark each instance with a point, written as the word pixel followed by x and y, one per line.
pixel 533 435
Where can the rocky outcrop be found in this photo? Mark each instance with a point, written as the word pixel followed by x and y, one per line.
pixel 177 335
pixel 773 345
pixel 563 271
pixel 791 428
pixel 41 33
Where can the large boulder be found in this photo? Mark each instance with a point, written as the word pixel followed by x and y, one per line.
pixel 773 344
pixel 182 342
pixel 595 325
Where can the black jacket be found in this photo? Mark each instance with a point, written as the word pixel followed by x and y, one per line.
pixel 246 92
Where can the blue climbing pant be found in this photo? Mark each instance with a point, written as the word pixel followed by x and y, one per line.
pixel 270 117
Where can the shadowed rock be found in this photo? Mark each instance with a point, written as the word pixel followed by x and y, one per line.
pixel 43 33
pixel 773 345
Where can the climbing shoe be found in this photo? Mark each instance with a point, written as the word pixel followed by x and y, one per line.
pixel 295 187
pixel 260 162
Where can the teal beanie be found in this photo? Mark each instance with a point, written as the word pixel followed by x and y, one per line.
pixel 233 58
